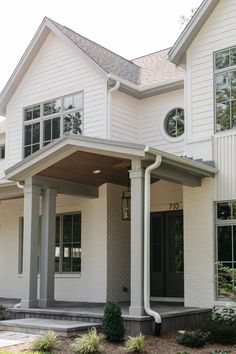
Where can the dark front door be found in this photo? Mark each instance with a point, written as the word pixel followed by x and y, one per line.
pixel 167 254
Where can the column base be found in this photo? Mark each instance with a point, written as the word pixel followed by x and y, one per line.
pixel 29 304
pixel 46 303
pixel 136 311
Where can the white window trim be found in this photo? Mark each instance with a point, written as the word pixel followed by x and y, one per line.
pixel 43 118
pixel 163 130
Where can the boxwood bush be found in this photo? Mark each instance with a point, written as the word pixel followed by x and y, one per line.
pixel 192 339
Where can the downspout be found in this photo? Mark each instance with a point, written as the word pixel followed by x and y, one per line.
pixel 147 307
pixel 20 185
pixel 109 101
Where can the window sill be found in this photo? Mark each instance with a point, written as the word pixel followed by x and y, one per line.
pixel 60 275
pixel 225 133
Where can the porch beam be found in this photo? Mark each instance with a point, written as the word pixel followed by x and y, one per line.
pixel 47 249
pixel 137 238
pixel 175 175
pixel 30 245
pixel 66 187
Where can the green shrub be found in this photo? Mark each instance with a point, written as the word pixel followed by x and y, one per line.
pixel 221 326
pixel 87 343
pixel 112 323
pixel 134 344
pixel 45 342
pixel 192 339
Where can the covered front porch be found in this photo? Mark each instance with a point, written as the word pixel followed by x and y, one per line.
pixel 86 167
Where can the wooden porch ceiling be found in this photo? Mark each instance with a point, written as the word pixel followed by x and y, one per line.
pixel 79 168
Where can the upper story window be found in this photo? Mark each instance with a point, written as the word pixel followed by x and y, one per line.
pixel 174 123
pixel 225 89
pixel 47 121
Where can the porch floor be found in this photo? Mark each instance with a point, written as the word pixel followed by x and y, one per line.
pixel 174 315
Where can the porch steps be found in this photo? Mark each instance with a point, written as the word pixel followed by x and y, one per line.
pixel 63 328
pixel 173 319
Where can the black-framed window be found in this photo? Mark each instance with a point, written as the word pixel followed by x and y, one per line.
pixel 67 243
pixel 174 122
pixel 49 120
pixel 225 89
pixel 226 250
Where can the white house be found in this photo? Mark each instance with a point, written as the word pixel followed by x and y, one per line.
pixel 86 127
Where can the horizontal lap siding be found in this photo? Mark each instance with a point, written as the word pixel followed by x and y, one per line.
pixel 152 115
pixel 125 124
pixel 56 71
pixel 218 33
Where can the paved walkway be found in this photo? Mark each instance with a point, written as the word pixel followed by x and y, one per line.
pixel 8 339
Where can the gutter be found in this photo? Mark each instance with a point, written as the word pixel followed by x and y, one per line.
pixel 109 103
pixel 140 92
pixel 147 182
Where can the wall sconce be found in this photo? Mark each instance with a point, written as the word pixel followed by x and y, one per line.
pixel 126 205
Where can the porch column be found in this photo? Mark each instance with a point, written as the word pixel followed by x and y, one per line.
pixel 30 245
pixel 137 199
pixel 47 251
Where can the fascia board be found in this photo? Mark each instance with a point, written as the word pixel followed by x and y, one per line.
pixel 177 52
pixel 66 146
pixel 29 55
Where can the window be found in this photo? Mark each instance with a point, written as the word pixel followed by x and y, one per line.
pixel 225 89
pixel 47 121
pixel 2 151
pixel 174 122
pixel 226 250
pixel 67 244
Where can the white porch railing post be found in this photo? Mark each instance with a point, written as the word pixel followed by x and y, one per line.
pixel 137 232
pixel 47 249
pixel 30 244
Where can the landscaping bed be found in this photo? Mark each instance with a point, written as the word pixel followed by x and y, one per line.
pixel 153 345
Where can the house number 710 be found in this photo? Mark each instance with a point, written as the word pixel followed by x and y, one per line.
pixel 173 206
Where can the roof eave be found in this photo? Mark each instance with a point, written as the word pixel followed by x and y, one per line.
pixel 178 51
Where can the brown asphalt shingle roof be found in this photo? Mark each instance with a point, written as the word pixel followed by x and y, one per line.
pixel 147 70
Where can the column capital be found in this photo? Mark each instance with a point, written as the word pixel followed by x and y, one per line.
pixel 136 174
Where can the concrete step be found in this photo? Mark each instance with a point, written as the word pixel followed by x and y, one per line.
pixel 63 328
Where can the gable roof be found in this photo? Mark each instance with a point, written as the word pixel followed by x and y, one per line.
pixel 142 75
pixel 110 62
pixel 177 52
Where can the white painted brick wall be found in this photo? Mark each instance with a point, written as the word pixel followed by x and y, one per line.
pixel 199 245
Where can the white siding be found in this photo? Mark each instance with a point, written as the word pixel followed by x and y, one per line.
pixel 225 147
pixel 56 71
pixel 90 286
pixel 153 111
pixel 218 33
pixel 125 123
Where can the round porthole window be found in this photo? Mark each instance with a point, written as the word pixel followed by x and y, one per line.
pixel 174 122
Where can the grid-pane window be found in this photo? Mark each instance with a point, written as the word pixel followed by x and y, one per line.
pixel 67 244
pixel 47 121
pixel 226 250
pixel 225 89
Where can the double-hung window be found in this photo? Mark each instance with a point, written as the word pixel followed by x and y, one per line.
pixel 49 120
pixel 225 89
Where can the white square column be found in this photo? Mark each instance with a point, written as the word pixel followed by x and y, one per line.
pixel 137 239
pixel 47 249
pixel 30 244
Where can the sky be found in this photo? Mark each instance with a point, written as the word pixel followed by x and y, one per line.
pixel 130 28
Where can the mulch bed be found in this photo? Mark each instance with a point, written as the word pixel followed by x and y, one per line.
pixel 153 345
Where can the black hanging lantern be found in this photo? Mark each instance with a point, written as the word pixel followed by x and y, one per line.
pixel 126 205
